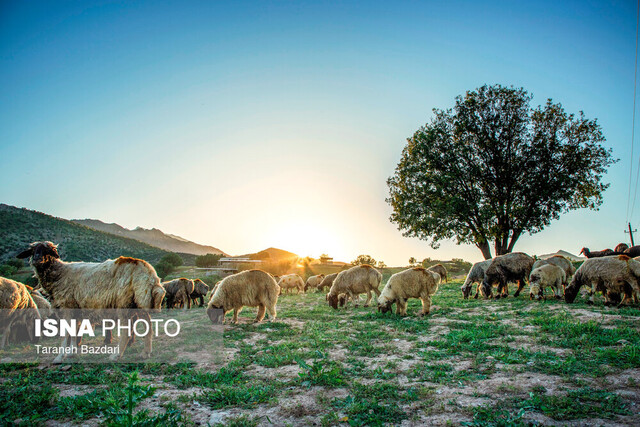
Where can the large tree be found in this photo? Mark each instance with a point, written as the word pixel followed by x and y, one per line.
pixel 494 167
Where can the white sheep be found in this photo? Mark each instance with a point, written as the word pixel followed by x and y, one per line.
pixel 291 281
pixel 251 288
pixel 546 275
pixel 612 275
pixel 475 275
pixel 565 264
pixel 123 283
pixel 411 283
pixel 313 282
pixel 353 282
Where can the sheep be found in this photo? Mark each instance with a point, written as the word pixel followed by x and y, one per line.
pixel 596 254
pixel 355 281
pixel 411 283
pixel 17 308
pixel 611 275
pixel 475 275
pixel 546 275
pixel 632 252
pixel 513 267
pixel 313 282
pixel 439 268
pixel 123 283
pixel 200 290
pixel 291 281
pixel 327 282
pixel 253 288
pixel 621 247
pixel 43 304
pixel 559 261
pixel 178 292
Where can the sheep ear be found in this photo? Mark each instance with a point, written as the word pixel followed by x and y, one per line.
pixel 25 254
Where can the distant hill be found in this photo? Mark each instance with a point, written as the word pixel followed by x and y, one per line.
pixel 153 237
pixel 272 254
pixel 19 227
pixel 565 254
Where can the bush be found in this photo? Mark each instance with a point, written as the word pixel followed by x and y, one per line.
pixel 163 269
pixel 208 260
pixel 173 259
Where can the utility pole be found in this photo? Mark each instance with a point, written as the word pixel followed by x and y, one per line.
pixel 630 233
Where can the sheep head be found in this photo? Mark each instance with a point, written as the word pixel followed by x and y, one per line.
pixel 466 290
pixel 386 307
pixel 333 300
pixel 40 253
pixel 215 314
pixel 570 292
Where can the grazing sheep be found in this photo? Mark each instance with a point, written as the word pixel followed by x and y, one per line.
pixel 546 275
pixel 559 261
pixel 313 282
pixel 17 309
pixel 411 283
pixel 621 247
pixel 596 254
pixel 122 283
pixel 252 288
pixel 513 267
pixel 178 292
pixel 355 281
pixel 327 282
pixel 475 275
pixel 611 275
pixel 439 268
pixel 200 290
pixel 291 281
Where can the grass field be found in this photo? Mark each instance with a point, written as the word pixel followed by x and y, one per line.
pixel 474 362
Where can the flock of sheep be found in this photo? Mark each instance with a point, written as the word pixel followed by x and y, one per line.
pixel 129 283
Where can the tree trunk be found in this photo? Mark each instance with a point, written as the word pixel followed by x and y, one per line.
pixel 485 249
pixel 514 238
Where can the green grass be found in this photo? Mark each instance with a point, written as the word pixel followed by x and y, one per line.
pixel 365 368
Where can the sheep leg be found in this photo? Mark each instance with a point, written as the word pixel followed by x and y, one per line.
pixel 366 303
pixel 351 297
pixel 60 357
pixel 260 315
pixel 235 315
pixel 520 287
pixel 272 312
pixel 426 305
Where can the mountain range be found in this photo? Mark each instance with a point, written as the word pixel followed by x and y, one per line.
pixel 153 237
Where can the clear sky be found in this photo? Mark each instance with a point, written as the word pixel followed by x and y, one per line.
pixel 246 125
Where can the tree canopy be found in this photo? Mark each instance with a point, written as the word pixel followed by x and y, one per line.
pixel 493 167
pixel 364 259
pixel 208 260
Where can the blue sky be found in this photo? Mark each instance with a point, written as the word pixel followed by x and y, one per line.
pixel 253 124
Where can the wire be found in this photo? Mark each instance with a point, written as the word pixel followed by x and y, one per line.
pixel 633 126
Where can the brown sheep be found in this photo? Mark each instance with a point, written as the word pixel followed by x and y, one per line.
pixel 178 292
pixel 17 309
pixel 596 254
pixel 513 267
pixel 252 288
pixel 314 282
pixel 291 281
pixel 411 283
pixel 200 290
pixel 121 283
pixel 441 270
pixel 354 281
pixel 621 247
pixel 611 275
